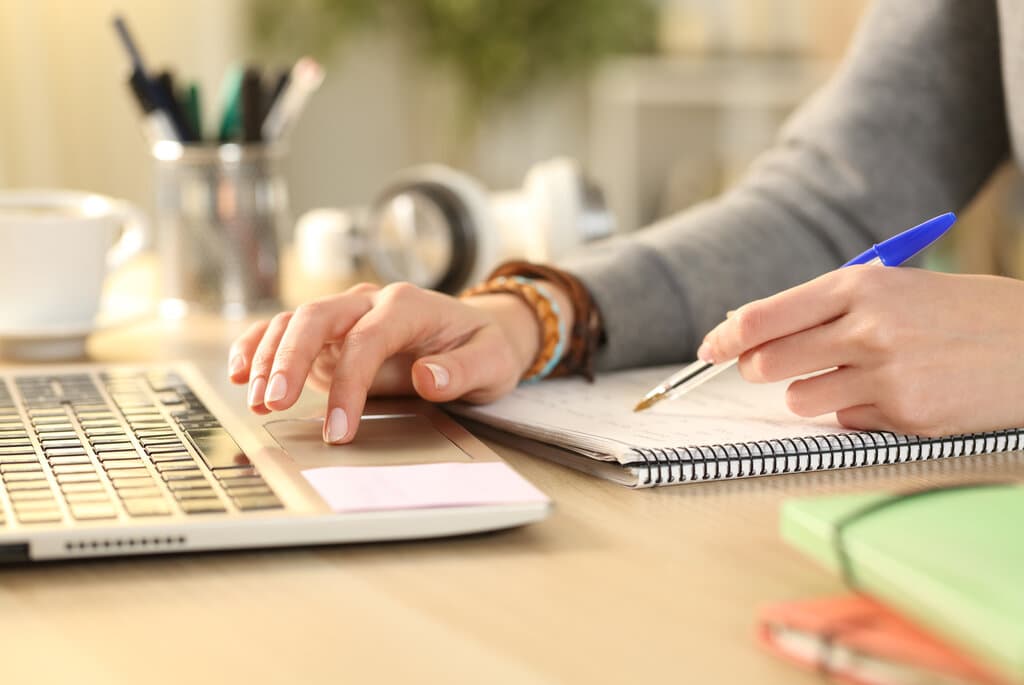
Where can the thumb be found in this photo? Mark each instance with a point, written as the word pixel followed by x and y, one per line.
pixel 481 370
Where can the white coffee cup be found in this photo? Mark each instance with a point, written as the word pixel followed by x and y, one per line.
pixel 56 248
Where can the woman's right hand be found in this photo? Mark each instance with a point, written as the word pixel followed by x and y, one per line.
pixel 392 340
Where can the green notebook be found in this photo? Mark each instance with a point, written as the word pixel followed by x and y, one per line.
pixel 951 559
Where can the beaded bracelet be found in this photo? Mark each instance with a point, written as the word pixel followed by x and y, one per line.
pixel 587 333
pixel 553 329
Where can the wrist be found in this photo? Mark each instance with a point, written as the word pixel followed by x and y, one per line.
pixel 519 321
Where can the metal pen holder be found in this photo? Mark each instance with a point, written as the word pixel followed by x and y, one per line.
pixel 221 213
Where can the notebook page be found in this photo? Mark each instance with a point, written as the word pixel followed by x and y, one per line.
pixel 598 419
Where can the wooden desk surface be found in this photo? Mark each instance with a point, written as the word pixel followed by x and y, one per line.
pixel 616 586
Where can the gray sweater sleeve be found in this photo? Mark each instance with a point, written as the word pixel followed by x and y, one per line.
pixel 910 125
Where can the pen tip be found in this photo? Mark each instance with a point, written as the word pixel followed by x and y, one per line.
pixel 646 403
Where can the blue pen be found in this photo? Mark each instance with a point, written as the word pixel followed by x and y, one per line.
pixel 892 252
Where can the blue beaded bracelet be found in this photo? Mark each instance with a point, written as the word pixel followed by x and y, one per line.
pixel 556 356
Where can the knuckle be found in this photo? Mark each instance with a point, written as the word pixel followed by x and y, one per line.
pixel 364 340
pixel 308 311
pixel 797 400
pixel 281 319
pixel 255 329
pixel 363 288
pixel 875 337
pixel 760 366
pixel 749 322
pixel 399 290
pixel 909 410
pixel 848 282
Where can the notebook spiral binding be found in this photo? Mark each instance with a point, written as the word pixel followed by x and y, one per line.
pixel 665 466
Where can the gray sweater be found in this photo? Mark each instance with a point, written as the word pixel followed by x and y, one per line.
pixel 917 117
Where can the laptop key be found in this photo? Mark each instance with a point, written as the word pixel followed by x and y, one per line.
pixel 87 417
pixel 11 478
pixel 27 485
pixel 21 449
pixel 116 442
pixel 198 493
pixel 217 448
pixel 242 482
pixel 29 517
pixel 161 441
pixel 250 490
pixel 35 504
pixel 94 486
pixel 82 497
pixel 127 474
pixel 118 456
pixel 152 506
pixel 29 495
pixel 145 492
pixel 183 475
pixel 113 447
pixel 253 502
pixel 19 458
pixel 180 465
pixel 177 486
pixel 65 452
pixel 51 419
pixel 77 478
pixel 65 442
pixel 60 461
pixel 22 467
pixel 96 431
pixel 228 474
pixel 91 511
pixel 165 432
pixel 201 506
pixel 92 424
pixel 73 468
pixel 162 457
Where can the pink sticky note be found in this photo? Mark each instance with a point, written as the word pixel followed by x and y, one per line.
pixel 417 486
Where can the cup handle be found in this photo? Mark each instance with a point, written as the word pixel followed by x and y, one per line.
pixel 136 237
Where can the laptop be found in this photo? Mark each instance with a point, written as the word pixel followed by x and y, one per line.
pixel 110 460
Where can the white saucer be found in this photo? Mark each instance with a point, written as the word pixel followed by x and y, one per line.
pixel 60 342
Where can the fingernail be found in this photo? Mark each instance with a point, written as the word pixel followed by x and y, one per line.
pixel 236 364
pixel 729 313
pixel 440 374
pixel 277 389
pixel 257 389
pixel 337 426
pixel 704 353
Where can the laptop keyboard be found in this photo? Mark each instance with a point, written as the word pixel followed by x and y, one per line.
pixel 113 444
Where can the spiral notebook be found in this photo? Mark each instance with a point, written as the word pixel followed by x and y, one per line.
pixel 725 429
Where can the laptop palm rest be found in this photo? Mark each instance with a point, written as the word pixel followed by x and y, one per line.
pixel 382 440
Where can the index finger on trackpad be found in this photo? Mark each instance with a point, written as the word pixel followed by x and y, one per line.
pixel 382 440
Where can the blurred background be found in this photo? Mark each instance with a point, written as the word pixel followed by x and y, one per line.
pixel 662 103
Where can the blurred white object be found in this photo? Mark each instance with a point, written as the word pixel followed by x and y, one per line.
pixel 440 228
pixel 327 243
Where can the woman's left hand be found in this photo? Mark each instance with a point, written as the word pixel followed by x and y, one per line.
pixel 901 349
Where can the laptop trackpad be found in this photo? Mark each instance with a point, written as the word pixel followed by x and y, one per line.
pixel 385 440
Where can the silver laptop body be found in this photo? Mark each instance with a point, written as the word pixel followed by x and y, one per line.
pixel 106 460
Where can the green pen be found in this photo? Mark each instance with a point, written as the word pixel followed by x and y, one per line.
pixel 230 97
pixel 192 109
